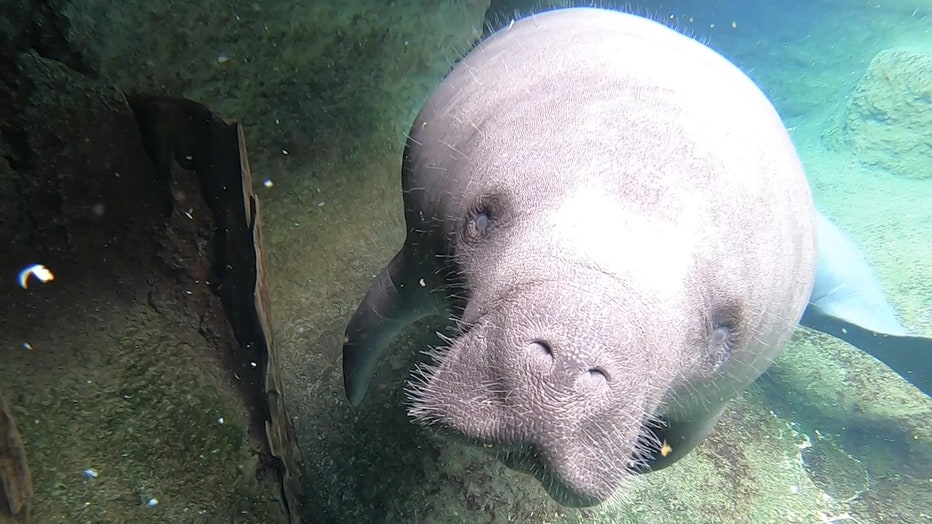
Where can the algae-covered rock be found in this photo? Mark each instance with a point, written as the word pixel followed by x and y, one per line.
pixel 889 119
pixel 131 394
pixel 306 79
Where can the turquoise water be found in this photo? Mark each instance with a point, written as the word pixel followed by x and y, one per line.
pixel 327 92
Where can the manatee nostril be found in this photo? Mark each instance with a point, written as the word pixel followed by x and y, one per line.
pixel 542 347
pixel 541 351
pixel 598 374
pixel 593 380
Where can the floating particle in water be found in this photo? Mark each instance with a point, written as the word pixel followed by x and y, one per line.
pixel 40 272
pixel 90 473
pixel 153 502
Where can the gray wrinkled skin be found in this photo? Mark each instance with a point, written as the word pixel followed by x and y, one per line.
pixel 617 222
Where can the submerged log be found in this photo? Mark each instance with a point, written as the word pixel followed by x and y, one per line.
pixel 15 479
pixel 182 132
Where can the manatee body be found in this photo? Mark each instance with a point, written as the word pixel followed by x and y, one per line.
pixel 619 228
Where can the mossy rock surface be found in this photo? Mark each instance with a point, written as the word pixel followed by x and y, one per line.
pixel 889 118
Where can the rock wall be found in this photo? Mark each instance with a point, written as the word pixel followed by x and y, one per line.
pixel 308 80
pixel 889 119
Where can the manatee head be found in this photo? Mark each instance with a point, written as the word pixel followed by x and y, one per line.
pixel 578 317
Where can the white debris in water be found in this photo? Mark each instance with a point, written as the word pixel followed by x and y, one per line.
pixel 40 272
pixel 268 182
pixel 90 473
pixel 153 502
pixel 220 420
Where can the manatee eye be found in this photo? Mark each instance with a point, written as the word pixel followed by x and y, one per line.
pixel 721 343
pixel 478 222
pixel 481 222
pixel 720 336
pixel 723 335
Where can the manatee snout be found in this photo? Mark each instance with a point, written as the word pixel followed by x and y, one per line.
pixel 555 382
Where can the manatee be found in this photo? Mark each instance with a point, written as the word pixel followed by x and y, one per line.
pixel 848 303
pixel 619 230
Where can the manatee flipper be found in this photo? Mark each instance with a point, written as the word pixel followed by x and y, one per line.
pixel 395 299
pixel 848 303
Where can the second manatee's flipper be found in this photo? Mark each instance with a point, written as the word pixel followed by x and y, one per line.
pixel 848 303
pixel 395 299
